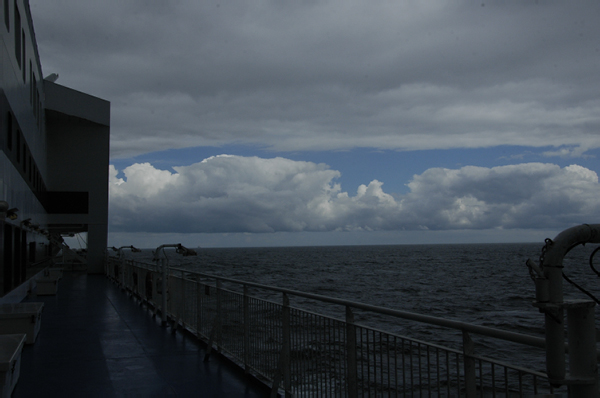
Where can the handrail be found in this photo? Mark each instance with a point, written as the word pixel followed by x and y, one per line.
pixel 459 325
pixel 287 347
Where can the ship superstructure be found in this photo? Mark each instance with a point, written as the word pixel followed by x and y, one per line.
pixel 54 153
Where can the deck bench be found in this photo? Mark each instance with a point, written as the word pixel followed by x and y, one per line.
pixel 23 318
pixel 11 346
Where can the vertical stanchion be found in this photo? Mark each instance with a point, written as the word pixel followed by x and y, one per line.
pixel 198 308
pixel 246 330
pixel 469 365
pixel 284 366
pixel 164 291
pixel 583 363
pixel 351 365
pixel 219 316
pixel 122 274
pixel 215 333
pixel 181 316
pixel 286 346
pixel 554 321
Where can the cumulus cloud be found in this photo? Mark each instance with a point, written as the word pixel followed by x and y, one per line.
pixel 251 194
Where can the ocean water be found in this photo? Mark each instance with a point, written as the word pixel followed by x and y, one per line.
pixel 484 284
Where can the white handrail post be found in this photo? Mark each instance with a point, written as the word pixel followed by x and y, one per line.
pixel 469 365
pixel 198 309
pixel 583 363
pixel 351 365
pixel 219 317
pixel 286 346
pixel 180 308
pixel 183 315
pixel 554 319
pixel 164 291
pixel 246 330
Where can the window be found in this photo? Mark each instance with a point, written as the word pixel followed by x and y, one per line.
pixel 34 97
pixel 6 15
pixel 17 34
pixel 24 156
pixel 9 132
pixel 24 63
pixel 18 146
pixel 31 84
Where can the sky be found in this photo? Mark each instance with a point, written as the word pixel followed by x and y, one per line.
pixel 274 123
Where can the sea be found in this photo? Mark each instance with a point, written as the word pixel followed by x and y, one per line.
pixel 483 284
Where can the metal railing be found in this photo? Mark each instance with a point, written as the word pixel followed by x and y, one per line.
pixel 299 352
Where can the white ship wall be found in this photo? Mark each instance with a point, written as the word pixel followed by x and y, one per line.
pixel 37 170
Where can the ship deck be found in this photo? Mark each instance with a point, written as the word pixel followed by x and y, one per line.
pixel 96 341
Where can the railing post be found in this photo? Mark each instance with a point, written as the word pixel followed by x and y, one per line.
pixel 469 365
pixel 554 322
pixel 351 365
pixel 198 308
pixel 246 330
pixel 583 363
pixel 284 366
pixel 164 292
pixel 215 333
pixel 122 274
pixel 181 316
pixel 219 316
pixel 286 346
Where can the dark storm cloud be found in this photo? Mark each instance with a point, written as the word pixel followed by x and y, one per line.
pixel 332 74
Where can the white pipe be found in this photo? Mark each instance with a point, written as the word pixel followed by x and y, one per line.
pixel 552 268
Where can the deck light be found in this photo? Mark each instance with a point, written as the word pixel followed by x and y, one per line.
pixel 184 251
pixel 52 77
pixel 5 212
pixel 120 250
pixel 180 249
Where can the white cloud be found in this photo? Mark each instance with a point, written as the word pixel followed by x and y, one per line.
pixel 250 194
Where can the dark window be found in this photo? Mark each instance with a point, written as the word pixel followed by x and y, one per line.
pixel 24 156
pixel 30 84
pixel 22 266
pixel 32 253
pixel 24 44
pixel 17 34
pixel 9 132
pixel 18 259
pixel 66 202
pixel 40 111
pixel 34 102
pixel 18 147
pixel 8 258
pixel 6 15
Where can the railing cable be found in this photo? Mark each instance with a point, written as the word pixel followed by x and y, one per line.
pixel 565 277
pixel 592 261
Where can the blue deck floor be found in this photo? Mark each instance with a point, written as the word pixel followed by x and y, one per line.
pixel 95 341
